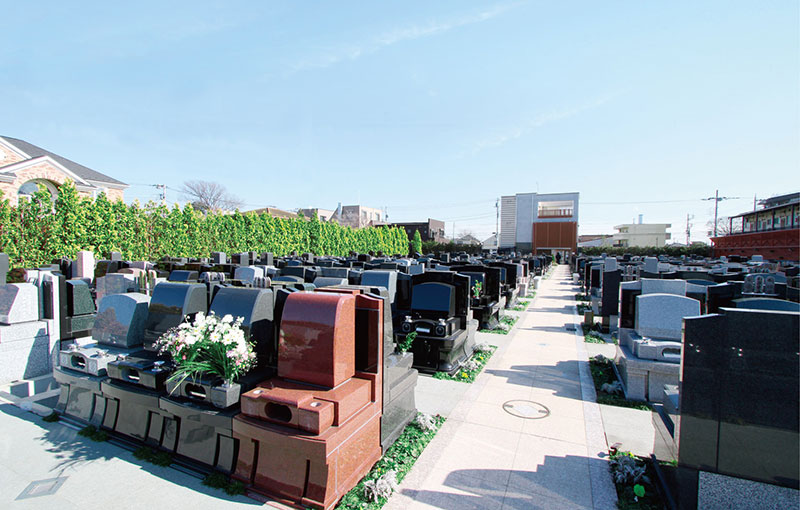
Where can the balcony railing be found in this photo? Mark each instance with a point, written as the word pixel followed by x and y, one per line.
pixel 555 213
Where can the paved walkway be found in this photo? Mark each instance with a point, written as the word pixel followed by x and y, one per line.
pixel 486 458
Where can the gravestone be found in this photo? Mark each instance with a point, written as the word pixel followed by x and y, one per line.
pixel 24 339
pixel 248 273
pixel 660 315
pixel 765 303
pixel 19 302
pixel 322 281
pixel 656 286
pixel 114 283
pixel 218 257
pixel 4 266
pixel 651 264
pixel 739 399
pixel 289 435
pixel 117 331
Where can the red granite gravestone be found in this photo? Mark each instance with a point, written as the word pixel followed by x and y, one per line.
pixel 309 435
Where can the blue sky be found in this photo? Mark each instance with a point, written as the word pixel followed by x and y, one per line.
pixel 431 109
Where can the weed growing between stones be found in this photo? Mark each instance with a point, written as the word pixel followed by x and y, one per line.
pixel 218 480
pixel 93 433
pixel 504 326
pixel 521 305
pixel 374 490
pixel 152 456
pixel 633 477
pixel 472 367
pixel 609 389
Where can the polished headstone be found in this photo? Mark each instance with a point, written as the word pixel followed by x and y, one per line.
pixel 740 395
pixel 660 315
pixel 121 320
pixel 19 302
pixel 657 286
pixel 316 343
pixel 4 266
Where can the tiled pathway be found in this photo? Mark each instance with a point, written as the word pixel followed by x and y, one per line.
pixel 486 458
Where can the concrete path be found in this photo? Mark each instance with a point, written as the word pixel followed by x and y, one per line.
pixel 484 457
pixel 92 476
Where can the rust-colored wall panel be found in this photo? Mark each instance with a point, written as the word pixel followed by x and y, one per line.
pixel 562 235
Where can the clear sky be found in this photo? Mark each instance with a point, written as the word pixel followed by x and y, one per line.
pixel 430 109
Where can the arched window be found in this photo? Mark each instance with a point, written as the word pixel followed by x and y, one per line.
pixel 32 186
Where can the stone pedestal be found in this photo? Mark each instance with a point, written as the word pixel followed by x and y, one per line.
pixel 309 436
pixel 645 379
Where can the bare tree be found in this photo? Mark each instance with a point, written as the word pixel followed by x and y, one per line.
pixel 206 196
pixel 723 226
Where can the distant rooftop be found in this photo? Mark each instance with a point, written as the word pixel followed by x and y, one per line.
pixel 34 151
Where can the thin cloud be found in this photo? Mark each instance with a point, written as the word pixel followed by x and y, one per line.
pixel 355 51
pixel 534 123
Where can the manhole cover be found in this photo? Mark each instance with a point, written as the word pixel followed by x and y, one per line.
pixel 526 409
pixel 42 488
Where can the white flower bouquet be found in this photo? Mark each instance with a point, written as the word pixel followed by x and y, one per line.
pixel 210 346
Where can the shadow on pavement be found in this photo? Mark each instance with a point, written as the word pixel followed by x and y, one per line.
pixel 69 451
pixel 560 482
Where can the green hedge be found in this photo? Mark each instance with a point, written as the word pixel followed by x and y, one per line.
pixel 700 249
pixel 38 231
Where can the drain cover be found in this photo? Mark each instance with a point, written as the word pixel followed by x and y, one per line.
pixel 42 488
pixel 526 409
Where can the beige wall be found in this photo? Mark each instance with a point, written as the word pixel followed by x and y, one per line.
pixel 45 170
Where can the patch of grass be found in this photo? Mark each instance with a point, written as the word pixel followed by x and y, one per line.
pixel 51 418
pixel 619 401
pixel 400 457
pixel 470 369
pixel 627 497
pixel 531 294
pixel 218 480
pixel 593 338
pixel 506 323
pixel 93 433
pixel 152 456
pixel 521 305
pixel 603 373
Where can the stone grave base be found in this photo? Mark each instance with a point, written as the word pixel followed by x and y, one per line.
pixel 25 351
pixel 81 396
pixel 644 379
pixel 399 405
pixel 205 434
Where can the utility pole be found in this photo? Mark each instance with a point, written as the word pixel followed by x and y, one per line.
pixel 688 228
pixel 163 188
pixel 497 227
pixel 717 199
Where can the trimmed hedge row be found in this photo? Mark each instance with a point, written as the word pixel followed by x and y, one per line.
pixel 38 231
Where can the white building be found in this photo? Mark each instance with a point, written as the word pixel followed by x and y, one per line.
pixel 640 234
pixel 539 222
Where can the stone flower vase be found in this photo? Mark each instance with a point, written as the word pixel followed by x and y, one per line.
pixel 212 390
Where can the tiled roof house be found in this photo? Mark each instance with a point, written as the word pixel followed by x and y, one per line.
pixel 23 166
